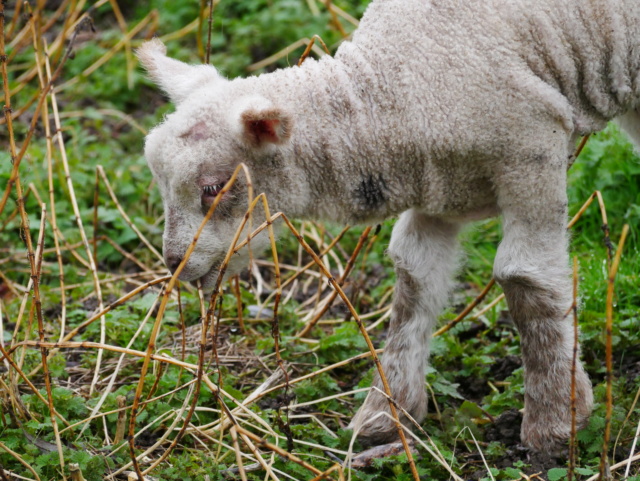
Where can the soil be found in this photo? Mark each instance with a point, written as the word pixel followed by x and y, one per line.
pixel 506 429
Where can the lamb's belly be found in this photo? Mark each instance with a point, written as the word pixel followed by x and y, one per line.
pixel 472 199
pixel 479 213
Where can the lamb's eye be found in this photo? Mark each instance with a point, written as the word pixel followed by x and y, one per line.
pixel 209 192
pixel 212 190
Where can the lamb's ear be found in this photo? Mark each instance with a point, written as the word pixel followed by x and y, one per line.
pixel 263 124
pixel 176 78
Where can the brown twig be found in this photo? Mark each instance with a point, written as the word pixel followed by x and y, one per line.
pixel 466 310
pixel 156 327
pixel 574 362
pixel 365 334
pixel 19 458
pixel 604 459
pixel 311 324
pixel 281 452
pixel 307 50
pixel 207 54
pixel 16 158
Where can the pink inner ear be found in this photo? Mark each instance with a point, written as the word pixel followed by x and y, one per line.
pixel 263 130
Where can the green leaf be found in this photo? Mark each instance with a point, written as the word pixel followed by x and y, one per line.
pixel 555 474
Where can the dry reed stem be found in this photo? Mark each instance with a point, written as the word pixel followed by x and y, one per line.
pixel 35 276
pixel 96 345
pixel 311 324
pixel 16 455
pixel 574 362
pixel 145 269
pixel 26 106
pixel 206 319
pixel 69 247
pixel 604 461
pixel 17 158
pixel 466 310
pixel 435 452
pixel 134 459
pixel 324 475
pixel 626 462
pixel 624 423
pixel 96 198
pixel 78 219
pixel 14 20
pixel 281 452
pixel 209 29
pixel 151 17
pixel 127 46
pixel 236 448
pixel 49 157
pixel 6 356
pixel 236 291
pixel 102 312
pixel 179 33
pixel 35 260
pixel 303 269
pixel 123 408
pixel 310 45
pixel 283 53
pixel 108 389
pixel 124 215
pixel 633 449
pixel 110 112
pixel 275 327
pixel 363 264
pixel 52 203
pixel 18 41
pixel 365 334
pixel 201 16
pixel 158 321
pixel 352 20
pixel 334 19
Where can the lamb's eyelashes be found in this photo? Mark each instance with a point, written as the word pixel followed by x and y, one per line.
pixel 209 192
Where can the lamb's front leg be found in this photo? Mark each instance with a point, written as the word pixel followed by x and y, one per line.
pixel 532 266
pixel 423 250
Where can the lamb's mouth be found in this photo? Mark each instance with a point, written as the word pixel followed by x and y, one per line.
pixel 209 279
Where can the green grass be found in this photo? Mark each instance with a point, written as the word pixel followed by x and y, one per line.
pixel 464 360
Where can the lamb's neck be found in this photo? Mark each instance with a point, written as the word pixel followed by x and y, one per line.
pixel 336 165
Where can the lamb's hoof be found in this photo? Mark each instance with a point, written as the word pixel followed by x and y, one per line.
pixel 373 423
pixel 366 459
pixel 546 428
pixel 374 427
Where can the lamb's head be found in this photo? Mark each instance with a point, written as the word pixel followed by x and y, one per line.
pixel 195 151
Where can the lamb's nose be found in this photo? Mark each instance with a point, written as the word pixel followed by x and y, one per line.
pixel 173 261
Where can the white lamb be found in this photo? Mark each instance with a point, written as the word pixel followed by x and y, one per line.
pixel 442 112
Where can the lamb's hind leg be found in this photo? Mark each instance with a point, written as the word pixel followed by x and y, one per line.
pixel 532 267
pixel 423 250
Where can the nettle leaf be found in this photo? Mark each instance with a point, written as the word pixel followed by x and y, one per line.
pixel 470 409
pixel 81 457
pixel 345 341
pixel 512 473
pixel 586 471
pixel 446 388
pixel 555 474
pixel 145 302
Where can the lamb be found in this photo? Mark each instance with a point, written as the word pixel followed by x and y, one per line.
pixel 441 112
